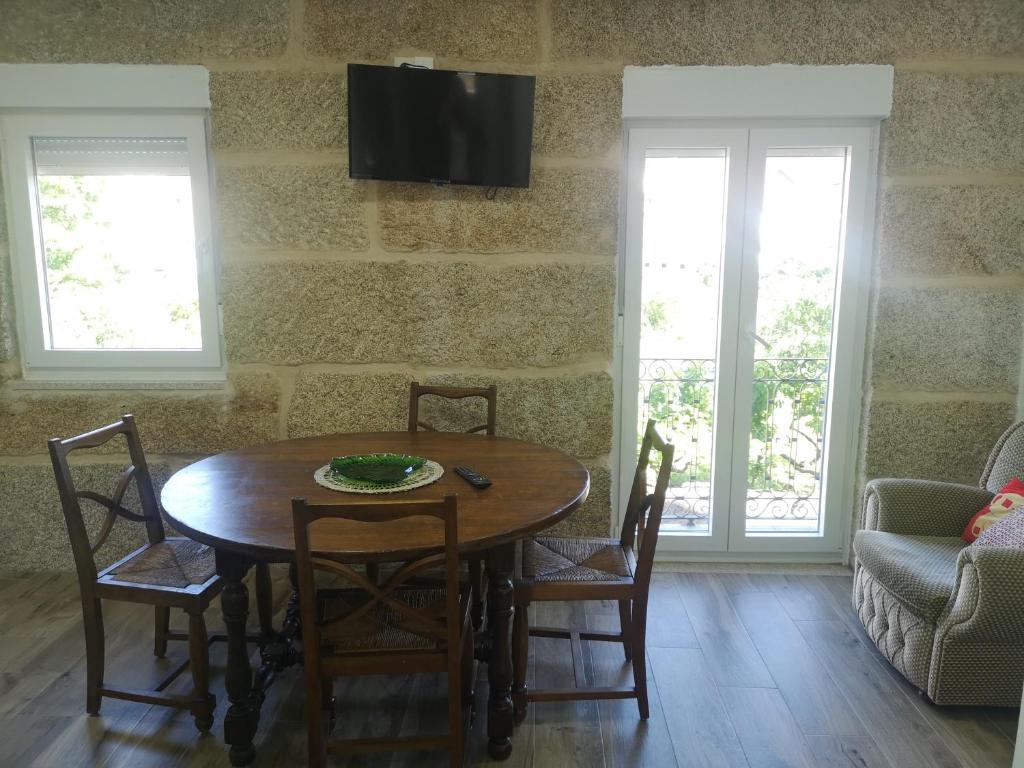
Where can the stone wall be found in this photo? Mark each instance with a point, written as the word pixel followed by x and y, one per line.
pixel 440 284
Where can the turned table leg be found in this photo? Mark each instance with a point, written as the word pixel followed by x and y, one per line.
pixel 500 562
pixel 243 715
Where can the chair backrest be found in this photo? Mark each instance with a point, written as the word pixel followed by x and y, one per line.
pixel 417 390
pixel 642 521
pixel 82 548
pixel 1006 460
pixel 424 621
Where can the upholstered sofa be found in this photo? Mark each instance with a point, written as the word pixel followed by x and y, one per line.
pixel 948 615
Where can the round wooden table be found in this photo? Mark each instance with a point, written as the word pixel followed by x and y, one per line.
pixel 239 502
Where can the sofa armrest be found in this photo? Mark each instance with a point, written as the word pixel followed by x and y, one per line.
pixel 920 507
pixel 988 599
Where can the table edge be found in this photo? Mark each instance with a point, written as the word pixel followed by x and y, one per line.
pixel 268 554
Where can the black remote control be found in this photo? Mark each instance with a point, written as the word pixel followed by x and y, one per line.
pixel 473 478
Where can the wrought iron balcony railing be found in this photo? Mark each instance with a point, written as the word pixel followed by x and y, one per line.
pixel 786 444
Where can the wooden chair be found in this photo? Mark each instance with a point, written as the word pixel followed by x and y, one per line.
pixel 393 628
pixel 490 394
pixel 417 390
pixel 558 569
pixel 165 573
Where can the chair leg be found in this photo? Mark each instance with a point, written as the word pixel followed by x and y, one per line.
pixel 92 614
pixel 467 670
pixel 639 643
pixel 455 752
pixel 203 702
pixel 316 689
pixel 520 660
pixel 476 578
pixel 455 740
pixel 264 599
pixel 327 702
pixel 625 623
pixel 162 626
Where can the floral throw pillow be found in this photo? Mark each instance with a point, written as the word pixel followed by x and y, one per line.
pixel 1008 532
pixel 1010 497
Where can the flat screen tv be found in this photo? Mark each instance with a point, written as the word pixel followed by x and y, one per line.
pixel 434 125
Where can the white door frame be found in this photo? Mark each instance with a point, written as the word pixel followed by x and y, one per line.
pixel 641 141
pixel 846 376
pixel 846 368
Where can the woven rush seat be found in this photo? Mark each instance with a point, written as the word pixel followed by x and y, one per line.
pixel 552 559
pixel 382 627
pixel 173 562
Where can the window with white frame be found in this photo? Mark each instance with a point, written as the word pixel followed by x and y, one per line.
pixel 109 212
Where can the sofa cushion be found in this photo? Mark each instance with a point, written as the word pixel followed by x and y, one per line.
pixel 919 570
pixel 1008 498
pixel 1007 532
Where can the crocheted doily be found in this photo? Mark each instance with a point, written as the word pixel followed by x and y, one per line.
pixel 429 473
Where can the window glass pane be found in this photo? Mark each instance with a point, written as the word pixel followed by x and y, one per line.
pixel 683 237
pixel 118 244
pixel 801 228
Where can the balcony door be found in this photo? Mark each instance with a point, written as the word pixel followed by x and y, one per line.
pixel 744 286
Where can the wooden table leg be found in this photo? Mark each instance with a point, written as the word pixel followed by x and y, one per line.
pixel 500 561
pixel 243 715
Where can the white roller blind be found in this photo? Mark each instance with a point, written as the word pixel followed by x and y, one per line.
pixel 103 86
pixel 783 91
pixel 95 156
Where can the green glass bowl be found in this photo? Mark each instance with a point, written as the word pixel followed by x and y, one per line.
pixel 377 467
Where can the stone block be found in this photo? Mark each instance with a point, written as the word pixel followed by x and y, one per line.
pixel 571 412
pixel 588 29
pixel 8 344
pixel 292 207
pixel 181 421
pixel 468 30
pixel 948 339
pixel 36 537
pixel 278 110
pixel 944 122
pixel 562 211
pixel 577 115
pixel 947 440
pixel 429 313
pixel 141 31
pixel 764 32
pixel 3 211
pixel 656 32
pixel 839 32
pixel 326 403
pixel 952 230
pixel 593 518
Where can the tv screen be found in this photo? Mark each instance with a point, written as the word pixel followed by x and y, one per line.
pixel 413 124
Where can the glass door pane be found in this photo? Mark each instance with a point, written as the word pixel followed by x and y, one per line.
pixel 744 288
pixel 801 232
pixel 684 210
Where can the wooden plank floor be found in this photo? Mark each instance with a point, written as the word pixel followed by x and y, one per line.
pixel 745 670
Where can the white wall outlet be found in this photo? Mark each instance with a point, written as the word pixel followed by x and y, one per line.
pixel 416 61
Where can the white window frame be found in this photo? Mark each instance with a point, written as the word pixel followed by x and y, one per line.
pixel 721 100
pixel 849 325
pixel 105 101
